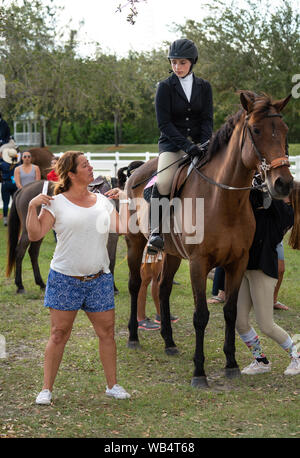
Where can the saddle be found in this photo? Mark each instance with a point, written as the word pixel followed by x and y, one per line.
pixel 180 178
pixel 100 185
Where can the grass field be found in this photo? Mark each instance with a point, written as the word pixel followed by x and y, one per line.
pixel 163 404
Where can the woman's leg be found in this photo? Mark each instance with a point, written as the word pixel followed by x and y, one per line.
pixel 165 178
pixel 156 270
pixel 262 292
pixel 219 281
pixel 5 198
pixel 104 325
pixel 246 331
pixel 159 204
pixel 61 327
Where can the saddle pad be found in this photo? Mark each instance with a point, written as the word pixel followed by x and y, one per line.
pixel 148 189
pixel 147 193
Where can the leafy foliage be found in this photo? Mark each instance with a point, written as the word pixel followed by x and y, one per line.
pixel 255 47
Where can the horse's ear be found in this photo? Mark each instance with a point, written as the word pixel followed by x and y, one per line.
pixel 280 104
pixel 247 99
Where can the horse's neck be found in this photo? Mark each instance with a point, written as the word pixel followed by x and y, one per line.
pixel 227 166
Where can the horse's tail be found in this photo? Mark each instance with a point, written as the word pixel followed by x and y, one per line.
pixel 14 226
pixel 294 240
pixel 122 177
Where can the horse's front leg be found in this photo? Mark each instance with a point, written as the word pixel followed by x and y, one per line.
pixel 200 320
pixel 169 269
pixel 234 275
pixel 135 246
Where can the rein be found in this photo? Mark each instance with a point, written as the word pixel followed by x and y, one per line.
pixel 264 166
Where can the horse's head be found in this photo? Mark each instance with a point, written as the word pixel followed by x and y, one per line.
pixel 264 142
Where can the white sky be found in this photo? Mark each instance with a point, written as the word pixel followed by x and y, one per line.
pixel 153 23
pixel 114 33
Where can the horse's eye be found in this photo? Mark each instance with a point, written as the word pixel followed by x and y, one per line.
pixel 256 130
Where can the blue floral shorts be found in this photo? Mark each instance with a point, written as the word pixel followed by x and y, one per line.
pixel 64 292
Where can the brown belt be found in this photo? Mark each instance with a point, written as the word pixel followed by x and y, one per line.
pixel 88 277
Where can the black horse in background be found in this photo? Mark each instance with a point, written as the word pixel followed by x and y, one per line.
pixel 18 241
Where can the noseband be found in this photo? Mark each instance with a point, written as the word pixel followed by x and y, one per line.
pixel 264 166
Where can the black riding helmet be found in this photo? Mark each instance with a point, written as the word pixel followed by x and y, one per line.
pixel 183 49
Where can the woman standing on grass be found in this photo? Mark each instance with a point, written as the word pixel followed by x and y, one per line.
pixel 260 278
pixel 26 172
pixel 79 276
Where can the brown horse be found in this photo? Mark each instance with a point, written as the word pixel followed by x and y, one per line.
pixel 254 138
pixel 42 157
pixel 39 156
pixel 18 241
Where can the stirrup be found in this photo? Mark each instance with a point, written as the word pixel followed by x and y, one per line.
pixel 155 244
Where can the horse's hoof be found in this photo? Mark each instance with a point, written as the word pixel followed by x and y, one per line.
pixel 232 372
pixel 171 351
pixel 20 291
pixel 133 344
pixel 199 382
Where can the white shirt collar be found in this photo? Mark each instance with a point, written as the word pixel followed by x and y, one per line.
pixel 187 85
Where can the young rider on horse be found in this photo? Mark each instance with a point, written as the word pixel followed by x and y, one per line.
pixel 184 112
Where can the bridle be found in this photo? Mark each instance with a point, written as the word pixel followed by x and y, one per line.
pixel 264 166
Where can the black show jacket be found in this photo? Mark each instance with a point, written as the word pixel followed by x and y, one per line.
pixel 177 118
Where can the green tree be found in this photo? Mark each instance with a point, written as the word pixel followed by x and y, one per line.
pixel 255 48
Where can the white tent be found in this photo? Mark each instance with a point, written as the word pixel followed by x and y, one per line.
pixel 31 132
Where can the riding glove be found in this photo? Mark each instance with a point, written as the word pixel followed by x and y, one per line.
pixel 194 150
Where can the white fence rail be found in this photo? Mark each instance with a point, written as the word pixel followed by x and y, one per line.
pixel 295 167
pixel 108 164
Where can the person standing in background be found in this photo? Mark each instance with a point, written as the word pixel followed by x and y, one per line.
pixel 27 172
pixel 8 163
pixel 52 176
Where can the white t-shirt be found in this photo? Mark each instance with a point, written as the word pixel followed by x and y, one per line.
pixel 82 235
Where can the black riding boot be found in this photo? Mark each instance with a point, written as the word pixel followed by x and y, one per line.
pixel 156 242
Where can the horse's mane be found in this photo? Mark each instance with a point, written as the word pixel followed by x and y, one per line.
pixel 122 176
pixel 223 135
pixel 261 105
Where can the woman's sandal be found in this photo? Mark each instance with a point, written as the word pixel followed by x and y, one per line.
pixel 215 300
pixel 279 306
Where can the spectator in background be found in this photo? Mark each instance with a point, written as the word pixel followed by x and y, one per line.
pixel 8 163
pixel 150 273
pixel 218 290
pixel 52 176
pixel 27 172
